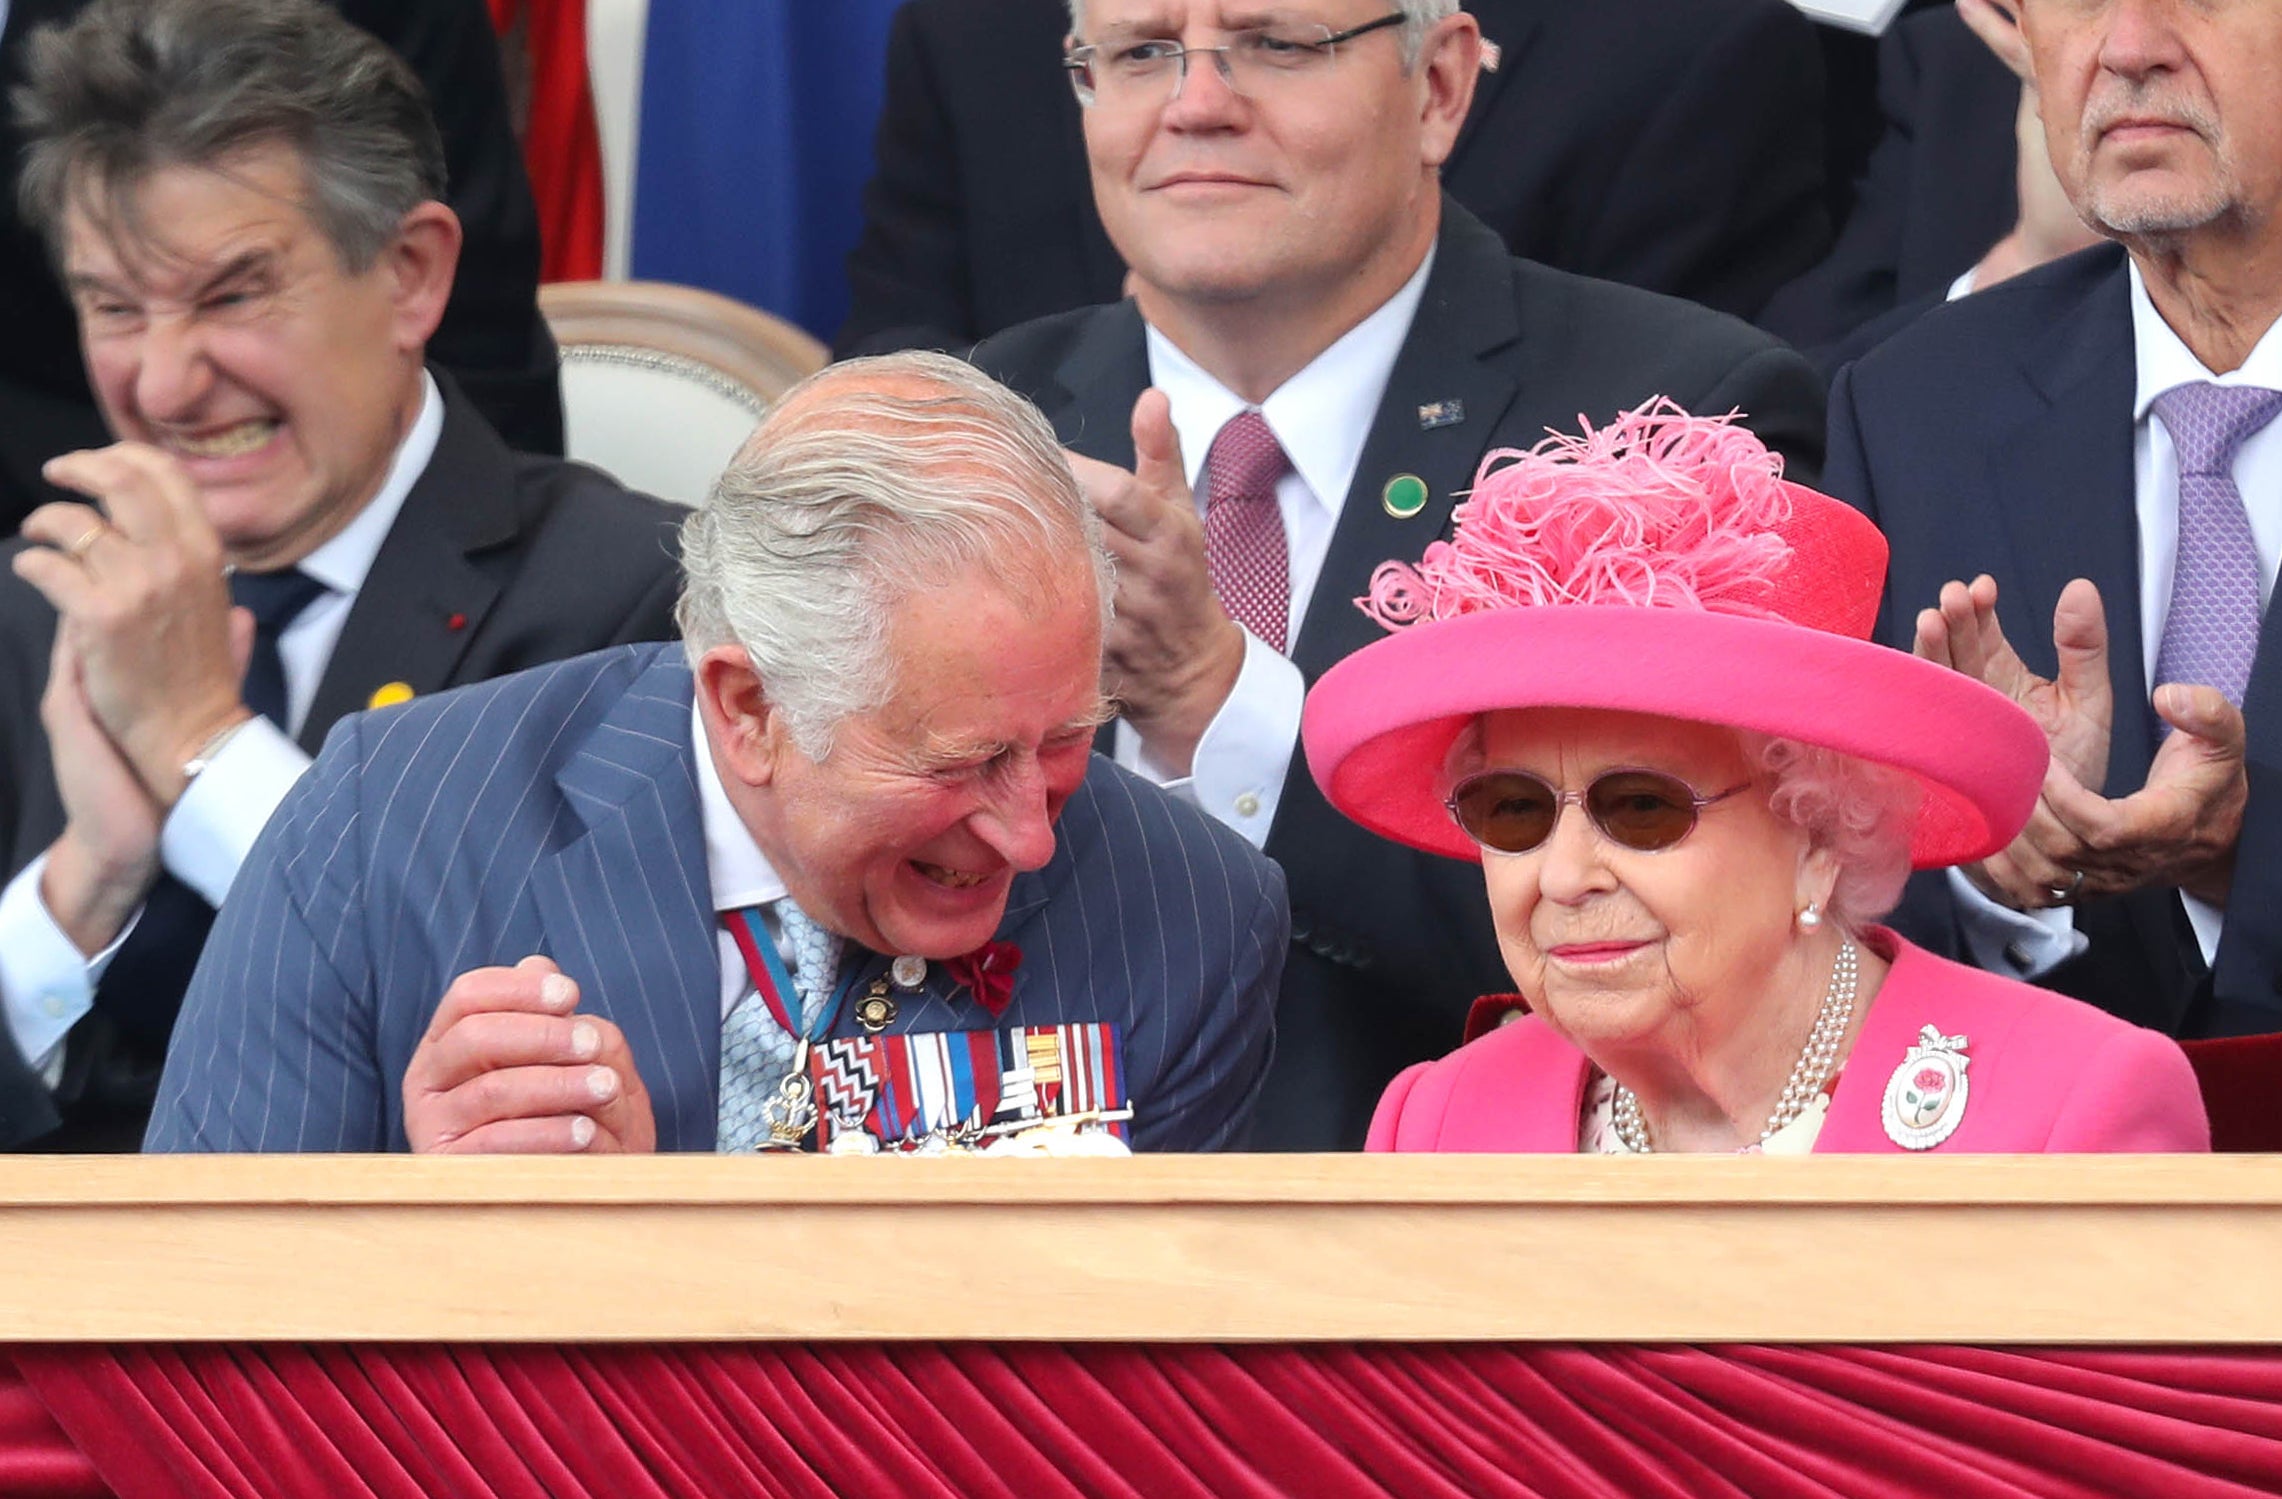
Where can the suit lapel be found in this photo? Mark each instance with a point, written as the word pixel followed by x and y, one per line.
pixel 942 1003
pixel 2247 970
pixel 2068 507
pixel 1467 312
pixel 424 599
pixel 626 904
pixel 1097 383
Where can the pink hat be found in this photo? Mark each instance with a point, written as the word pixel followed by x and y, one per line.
pixel 1660 565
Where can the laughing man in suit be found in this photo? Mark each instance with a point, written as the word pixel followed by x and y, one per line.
pixel 1320 349
pixel 243 198
pixel 625 902
pixel 2093 442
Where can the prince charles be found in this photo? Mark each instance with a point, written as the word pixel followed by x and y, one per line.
pixel 841 873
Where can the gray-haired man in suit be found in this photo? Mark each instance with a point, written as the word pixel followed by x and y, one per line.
pixel 766 890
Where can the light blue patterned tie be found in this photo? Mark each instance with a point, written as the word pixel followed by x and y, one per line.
pixel 2210 633
pixel 756 1052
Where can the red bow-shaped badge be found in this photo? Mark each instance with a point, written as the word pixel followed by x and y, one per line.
pixel 988 973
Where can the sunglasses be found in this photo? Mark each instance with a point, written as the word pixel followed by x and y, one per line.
pixel 1514 812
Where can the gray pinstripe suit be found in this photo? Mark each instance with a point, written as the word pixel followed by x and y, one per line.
pixel 556 811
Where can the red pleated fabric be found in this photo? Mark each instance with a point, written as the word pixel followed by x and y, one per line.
pixel 37 1461
pixel 1038 1421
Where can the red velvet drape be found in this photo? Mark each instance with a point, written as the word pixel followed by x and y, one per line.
pixel 562 146
pixel 1028 1420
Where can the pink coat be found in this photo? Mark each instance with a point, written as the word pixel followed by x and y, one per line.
pixel 2047 1073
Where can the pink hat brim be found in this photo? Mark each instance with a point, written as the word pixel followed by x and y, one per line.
pixel 1378 725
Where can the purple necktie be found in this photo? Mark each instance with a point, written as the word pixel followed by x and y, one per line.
pixel 2211 632
pixel 1244 545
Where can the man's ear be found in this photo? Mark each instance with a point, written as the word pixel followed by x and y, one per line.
pixel 1448 65
pixel 420 263
pixel 747 731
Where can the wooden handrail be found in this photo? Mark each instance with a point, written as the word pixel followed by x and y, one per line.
pixel 1241 1248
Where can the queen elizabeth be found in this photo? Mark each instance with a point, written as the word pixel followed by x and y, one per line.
pixel 1637 685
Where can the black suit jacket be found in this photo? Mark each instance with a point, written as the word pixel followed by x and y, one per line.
pixel 1671 144
pixel 1995 435
pixel 492 336
pixel 1937 192
pixel 534 558
pixel 1391 946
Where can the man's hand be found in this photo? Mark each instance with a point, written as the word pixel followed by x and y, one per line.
pixel 2181 827
pixel 139 587
pixel 1173 654
pixel 2177 830
pixel 507 1067
pixel 2076 709
pixel 2049 226
pixel 101 867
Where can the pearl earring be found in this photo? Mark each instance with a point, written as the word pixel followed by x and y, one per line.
pixel 1811 917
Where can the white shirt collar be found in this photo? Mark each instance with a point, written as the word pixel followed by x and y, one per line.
pixel 734 864
pixel 1321 416
pixel 342 562
pixel 2165 362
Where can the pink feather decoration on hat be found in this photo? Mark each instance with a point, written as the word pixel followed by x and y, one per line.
pixel 1659 509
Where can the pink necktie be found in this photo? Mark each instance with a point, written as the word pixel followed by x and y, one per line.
pixel 1244 529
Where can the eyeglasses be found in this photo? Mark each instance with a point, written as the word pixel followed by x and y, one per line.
pixel 1514 812
pixel 1150 71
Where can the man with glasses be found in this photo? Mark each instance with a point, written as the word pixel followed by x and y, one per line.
pixel 1674 145
pixel 1319 349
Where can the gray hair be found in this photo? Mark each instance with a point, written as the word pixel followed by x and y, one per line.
pixel 857 491
pixel 1860 813
pixel 134 86
pixel 1419 17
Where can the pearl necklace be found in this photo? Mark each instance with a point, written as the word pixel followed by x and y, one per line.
pixel 1813 1068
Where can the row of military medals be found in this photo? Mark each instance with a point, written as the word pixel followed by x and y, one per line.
pixel 792 1116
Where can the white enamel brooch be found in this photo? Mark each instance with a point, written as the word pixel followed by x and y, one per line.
pixel 1925 1098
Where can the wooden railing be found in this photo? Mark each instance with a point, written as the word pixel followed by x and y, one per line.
pixel 1990 1250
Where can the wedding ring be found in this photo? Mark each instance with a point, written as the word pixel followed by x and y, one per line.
pixel 77 551
pixel 2062 894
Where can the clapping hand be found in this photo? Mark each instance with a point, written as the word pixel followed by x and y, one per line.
pixel 139 586
pixel 1172 652
pixel 2177 830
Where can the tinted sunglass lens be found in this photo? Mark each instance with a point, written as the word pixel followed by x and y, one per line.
pixel 1642 810
pixel 1510 813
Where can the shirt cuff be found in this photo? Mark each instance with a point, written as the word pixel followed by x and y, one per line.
pixel 2024 944
pixel 45 983
pixel 1245 752
pixel 2207 920
pixel 222 812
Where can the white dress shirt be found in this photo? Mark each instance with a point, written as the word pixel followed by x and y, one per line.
pixel 46 985
pixel 2032 943
pixel 1321 417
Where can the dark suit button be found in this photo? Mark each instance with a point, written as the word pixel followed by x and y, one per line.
pixel 1303 923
